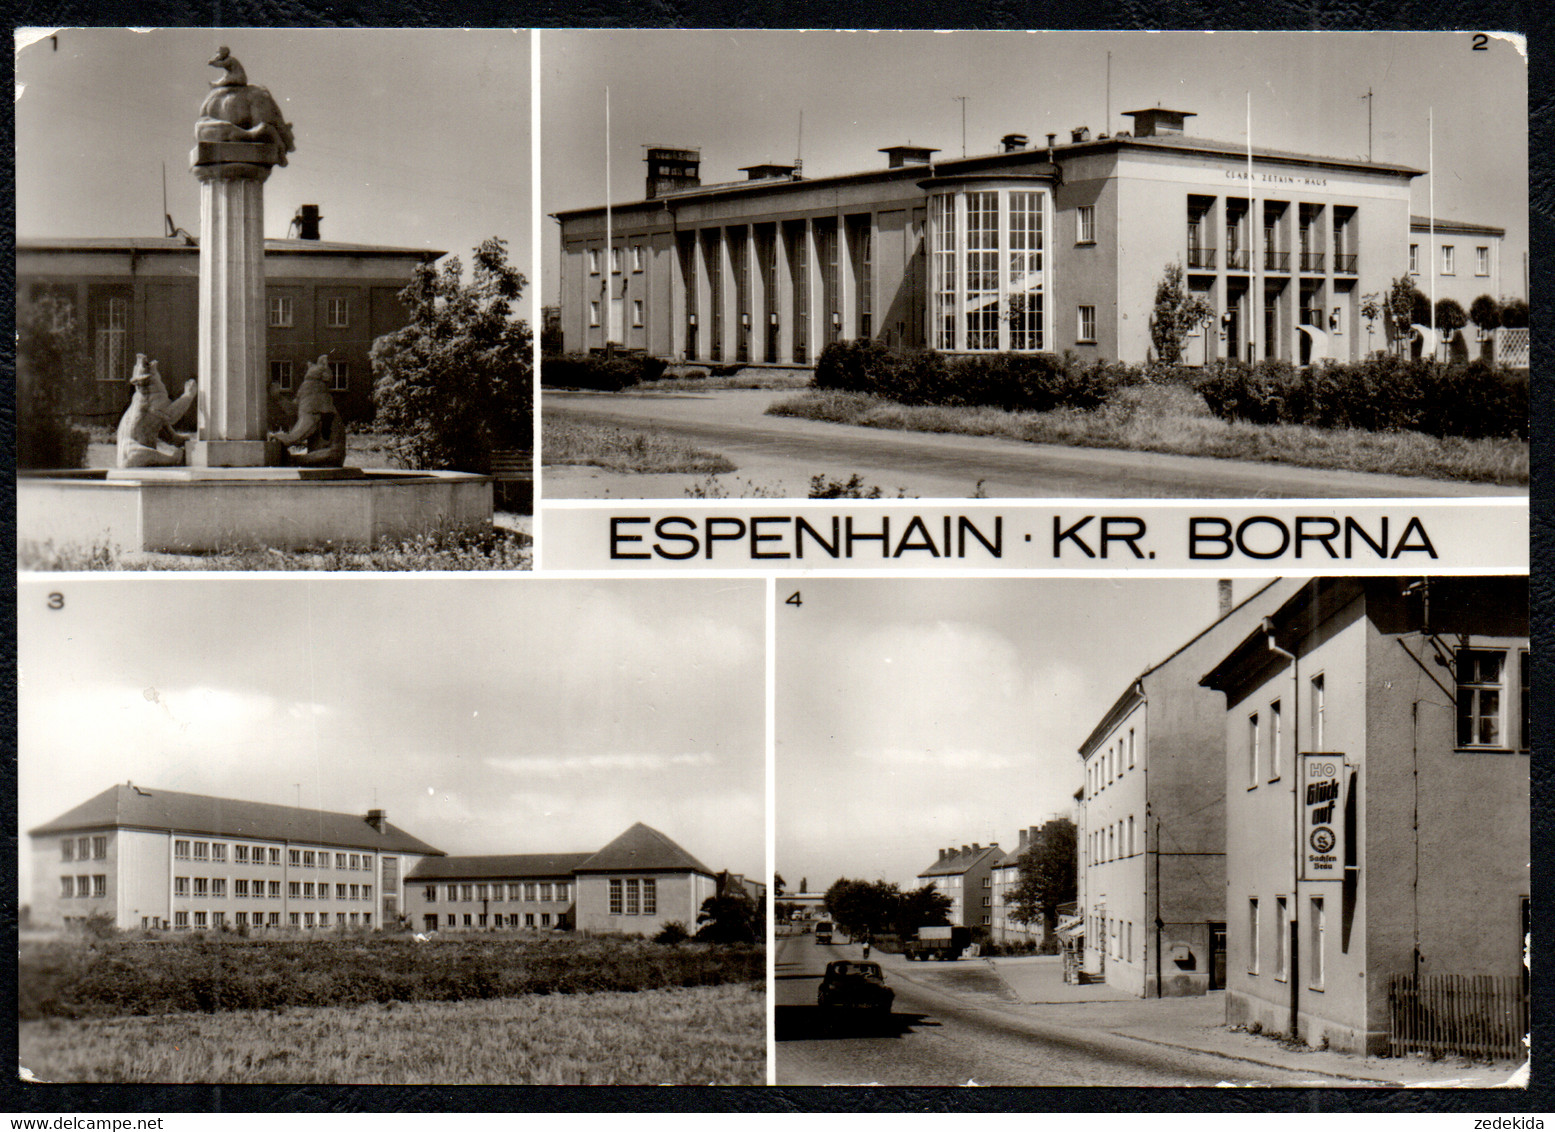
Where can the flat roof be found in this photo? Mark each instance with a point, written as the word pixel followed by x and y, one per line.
pixel 176 244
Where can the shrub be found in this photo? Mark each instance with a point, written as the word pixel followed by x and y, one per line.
pixel 50 359
pixel 1514 314
pixel 673 931
pixel 588 371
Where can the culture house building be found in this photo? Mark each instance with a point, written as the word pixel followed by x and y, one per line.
pixel 1052 246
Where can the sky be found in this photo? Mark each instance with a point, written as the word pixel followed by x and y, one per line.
pixel 410 138
pixel 486 715
pixel 915 715
pixel 739 95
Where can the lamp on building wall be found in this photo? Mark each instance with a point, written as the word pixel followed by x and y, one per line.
pixel 836 320
pixel 1333 320
pixel 691 319
pixel 772 319
pixel 745 319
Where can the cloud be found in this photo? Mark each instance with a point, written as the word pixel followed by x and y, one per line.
pixel 951 758
pixel 559 766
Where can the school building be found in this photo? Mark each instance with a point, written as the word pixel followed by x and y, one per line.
pixel 1039 246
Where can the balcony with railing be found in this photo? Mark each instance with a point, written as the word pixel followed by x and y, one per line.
pixel 1236 259
pixel 1276 261
pixel 1312 262
pixel 1201 259
pixel 1344 264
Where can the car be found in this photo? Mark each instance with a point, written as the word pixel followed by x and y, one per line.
pixel 850 983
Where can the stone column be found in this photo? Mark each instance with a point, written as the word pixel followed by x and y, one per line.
pixel 233 368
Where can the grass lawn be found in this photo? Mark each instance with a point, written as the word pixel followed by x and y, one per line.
pixel 564 442
pixel 1174 419
pixel 682 1035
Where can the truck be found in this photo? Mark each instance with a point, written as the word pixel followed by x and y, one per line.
pixel 823 930
pixel 941 941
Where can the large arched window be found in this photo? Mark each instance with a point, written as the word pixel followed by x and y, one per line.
pixel 987 273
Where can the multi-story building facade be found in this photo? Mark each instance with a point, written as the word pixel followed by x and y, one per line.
pixel 138 295
pixel 160 859
pixel 1152 845
pixel 533 890
pixel 1376 738
pixel 1034 248
pixel 1005 878
pixel 965 877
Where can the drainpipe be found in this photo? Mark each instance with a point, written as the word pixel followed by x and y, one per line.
pixel 1294 926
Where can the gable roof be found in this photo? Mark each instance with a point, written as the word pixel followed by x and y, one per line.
pixel 126 806
pixel 523 866
pixel 642 849
pixel 1441 224
pixel 960 862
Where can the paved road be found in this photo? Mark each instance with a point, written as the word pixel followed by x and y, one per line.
pixel 955 1023
pixel 780 454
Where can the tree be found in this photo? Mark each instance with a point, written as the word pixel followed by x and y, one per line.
pixel 50 361
pixel 862 907
pixel 778 884
pixel 1485 313
pixel 1514 314
pixel 920 907
pixel 456 383
pixel 730 918
pixel 1450 317
pixel 1400 309
pixel 1048 875
pixel 1176 314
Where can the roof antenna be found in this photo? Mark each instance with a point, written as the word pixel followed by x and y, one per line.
pixel 799 150
pixel 167 217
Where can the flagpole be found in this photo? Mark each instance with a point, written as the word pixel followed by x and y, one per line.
pixel 1255 295
pixel 1430 167
pixel 610 306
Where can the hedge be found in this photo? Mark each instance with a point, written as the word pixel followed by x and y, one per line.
pixel 590 371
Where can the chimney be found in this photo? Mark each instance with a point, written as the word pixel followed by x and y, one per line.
pixel 942 854
pixel 307 222
pixel 377 819
pixel 671 170
pixel 1020 846
pixel 1009 143
pixel 1225 596
pixel 976 848
pixel 1158 122
pixel 1080 134
pixel 966 849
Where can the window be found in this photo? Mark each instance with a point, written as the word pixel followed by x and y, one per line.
pixel 219 888
pixel 274 920
pixel 200 920
pixel 650 897
pixel 1481 705
pixel 1131 835
pixel 637 257
pixel 202 851
pixel 1414 259
pixel 1276 731
pixel 513 891
pixel 340 892
pixel 593 312
pixel 1317 925
pixel 202 886
pixel 280 310
pixel 356 861
pixel 110 337
pixel 1131 748
pixel 67 849
pixel 632 904
pixel 323 890
pixel 1252 749
pixel 986 269
pixel 637 312
pixel 1318 705
pixel 240 889
pixel 987 901
pixel 67 887
pixel 307 858
pixel 340 861
pixel 1447 259
pixel 529 890
pixel 1086 332
pixel 180 921
pixel 356 892
pixel 615 898
pixel 307 890
pixel 1252 936
pixel 498 891
pixel 337 313
pixel 482 892
pixel 309 919
pixel 545 919
pixel 240 854
pixel 1481 261
pixel 294 857
pixel 100 849
pixel 1281 939
pixel 367 892
pixel 545 890
pixel 275 889
pixel 275 855
pixel 467 891
pixel 339 376
pixel 615 261
pixel 1085 224
pixel 294 889
pixel 529 919
pixel 242 919
pixel 593 261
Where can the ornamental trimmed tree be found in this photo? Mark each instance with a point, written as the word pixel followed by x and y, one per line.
pixel 1485 313
pixel 1048 875
pixel 455 384
pixel 1177 312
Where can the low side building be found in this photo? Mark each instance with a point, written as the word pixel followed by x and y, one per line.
pixel 639 882
pixel 965 876
pixel 161 859
pixel 533 890
pixel 1376 734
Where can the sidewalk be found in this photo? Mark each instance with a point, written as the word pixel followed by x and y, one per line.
pixel 1198 1024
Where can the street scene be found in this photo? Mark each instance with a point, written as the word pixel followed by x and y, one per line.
pixel 1188 897
pixel 1301 276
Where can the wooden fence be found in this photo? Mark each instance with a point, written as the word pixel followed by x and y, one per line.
pixel 1466 1015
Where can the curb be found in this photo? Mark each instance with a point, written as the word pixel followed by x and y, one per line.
pixel 1378 1081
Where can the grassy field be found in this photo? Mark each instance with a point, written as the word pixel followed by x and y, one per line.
pixel 565 441
pixel 1174 419
pixel 691 1035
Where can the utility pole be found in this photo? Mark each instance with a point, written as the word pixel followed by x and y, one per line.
pixel 961 98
